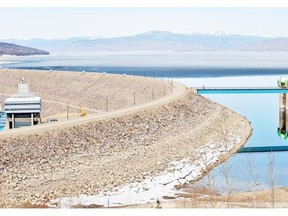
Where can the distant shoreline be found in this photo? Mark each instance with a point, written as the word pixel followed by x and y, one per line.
pixel 166 65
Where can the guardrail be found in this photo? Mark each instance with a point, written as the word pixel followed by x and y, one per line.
pixel 240 90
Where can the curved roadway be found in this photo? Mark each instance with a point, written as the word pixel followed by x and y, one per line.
pixel 179 91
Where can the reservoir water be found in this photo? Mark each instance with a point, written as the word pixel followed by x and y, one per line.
pixel 264 113
pixel 262 110
pixel 248 69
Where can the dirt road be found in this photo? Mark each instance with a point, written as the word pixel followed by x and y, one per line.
pixel 179 91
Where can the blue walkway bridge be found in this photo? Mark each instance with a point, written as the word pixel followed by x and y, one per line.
pixel 262 149
pixel 241 90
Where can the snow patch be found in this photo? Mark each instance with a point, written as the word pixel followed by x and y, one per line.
pixel 154 188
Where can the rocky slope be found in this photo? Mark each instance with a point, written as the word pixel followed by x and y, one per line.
pixel 101 155
pixel 13 49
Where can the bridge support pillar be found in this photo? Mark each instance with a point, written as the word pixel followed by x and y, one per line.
pixel 283 115
pixel 282 101
pixel 32 119
pixel 13 121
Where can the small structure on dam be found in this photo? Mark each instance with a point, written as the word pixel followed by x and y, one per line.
pixel 23 108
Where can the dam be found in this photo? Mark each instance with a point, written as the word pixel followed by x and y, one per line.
pixel 140 134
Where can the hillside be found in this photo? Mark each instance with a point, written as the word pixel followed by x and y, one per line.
pixel 13 49
pixel 149 41
pixel 161 41
pixel 275 44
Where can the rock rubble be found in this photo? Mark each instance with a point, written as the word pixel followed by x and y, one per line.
pixel 101 155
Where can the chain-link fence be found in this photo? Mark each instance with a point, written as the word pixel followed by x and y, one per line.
pixel 71 92
pixel 110 102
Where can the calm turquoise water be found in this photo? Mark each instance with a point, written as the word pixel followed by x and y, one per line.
pixel 262 110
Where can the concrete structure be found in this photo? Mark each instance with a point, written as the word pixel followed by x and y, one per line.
pixel 283 116
pixel 23 108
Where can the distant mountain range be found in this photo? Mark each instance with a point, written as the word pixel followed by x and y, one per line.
pixel 13 49
pixel 159 41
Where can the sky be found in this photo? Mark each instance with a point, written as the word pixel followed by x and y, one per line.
pixel 51 23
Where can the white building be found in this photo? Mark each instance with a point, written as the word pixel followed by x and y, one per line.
pixel 23 108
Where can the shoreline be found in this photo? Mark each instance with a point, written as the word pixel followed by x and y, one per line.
pixel 163 184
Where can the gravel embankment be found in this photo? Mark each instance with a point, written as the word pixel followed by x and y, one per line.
pixel 93 91
pixel 100 155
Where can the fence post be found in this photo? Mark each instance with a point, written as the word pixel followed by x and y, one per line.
pixel 67 110
pixel 107 104
pixel 164 89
